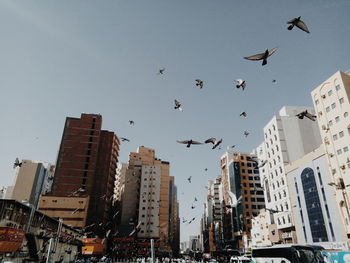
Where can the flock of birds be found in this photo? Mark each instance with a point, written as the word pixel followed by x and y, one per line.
pixel 215 142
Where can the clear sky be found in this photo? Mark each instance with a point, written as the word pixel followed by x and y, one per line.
pixel 62 58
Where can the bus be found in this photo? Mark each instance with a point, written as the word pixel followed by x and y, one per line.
pixel 285 254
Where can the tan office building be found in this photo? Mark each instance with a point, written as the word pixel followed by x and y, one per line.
pixel 331 101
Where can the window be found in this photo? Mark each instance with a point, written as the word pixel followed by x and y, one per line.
pixel 346 149
pixel 333 105
pixel 316 102
pixel 337 119
pixel 330 123
pixel 335 137
pixel 334 171
pixel 274 127
pixel 341 134
pixel 337 87
pixel 339 151
pixel 341 100
pixel 277 148
pixel 330 92
pixel 346 114
pixel 328 109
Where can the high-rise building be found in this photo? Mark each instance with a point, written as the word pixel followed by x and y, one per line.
pixel 317 220
pixel 30 181
pixel 286 138
pixel 86 166
pixel 243 196
pixel 149 198
pixel 331 101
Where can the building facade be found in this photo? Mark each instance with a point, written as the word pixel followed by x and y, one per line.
pixel 30 181
pixel 243 197
pixel 331 101
pixel 149 198
pixel 317 220
pixel 86 165
pixel 286 138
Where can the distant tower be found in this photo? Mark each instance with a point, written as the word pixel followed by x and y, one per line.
pixel 30 181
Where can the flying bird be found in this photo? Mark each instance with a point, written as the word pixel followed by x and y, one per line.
pixel 76 210
pixel 274 81
pixel 298 23
pixel 136 229
pixel 193 207
pixel 231 147
pixel 189 222
pixel 17 163
pixel 115 215
pixel 161 71
pixel 189 179
pixel 306 114
pixel 240 83
pixel 262 56
pixel 177 105
pixel 243 114
pixel 206 169
pixel 199 83
pixel 246 133
pixel 189 142
pixel 131 122
pixel 124 139
pixel 214 141
pixel 262 164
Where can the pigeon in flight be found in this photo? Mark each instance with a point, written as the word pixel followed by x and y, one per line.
pixel 189 222
pixel 262 56
pixel 161 71
pixel 231 147
pixel 124 139
pixel 131 122
pixel 177 105
pixel 193 207
pixel 298 23
pixel 17 163
pixel 189 179
pixel 199 83
pixel 306 114
pixel 246 133
pixel 206 169
pixel 214 141
pixel 189 142
pixel 274 81
pixel 136 229
pixel 240 83
pixel 243 114
pixel 76 210
pixel 262 164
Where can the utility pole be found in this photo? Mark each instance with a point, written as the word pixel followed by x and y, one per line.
pixel 152 250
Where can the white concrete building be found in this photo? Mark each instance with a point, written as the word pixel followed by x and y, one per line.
pixel 331 102
pixel 286 138
pixel 149 201
pixel 317 220
pixel 261 226
pixel 119 183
